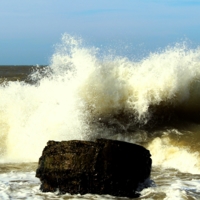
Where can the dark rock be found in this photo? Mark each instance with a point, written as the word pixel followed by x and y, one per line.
pixel 100 167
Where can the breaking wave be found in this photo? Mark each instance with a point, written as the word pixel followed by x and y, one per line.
pixel 84 95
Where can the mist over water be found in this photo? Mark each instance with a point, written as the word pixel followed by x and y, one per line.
pixel 84 95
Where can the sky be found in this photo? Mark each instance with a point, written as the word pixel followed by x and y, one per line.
pixel 29 30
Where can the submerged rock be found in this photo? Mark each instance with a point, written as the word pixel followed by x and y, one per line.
pixel 100 167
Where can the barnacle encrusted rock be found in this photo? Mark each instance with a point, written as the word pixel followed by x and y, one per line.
pixel 99 167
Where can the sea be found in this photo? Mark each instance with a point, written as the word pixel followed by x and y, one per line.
pixel 84 94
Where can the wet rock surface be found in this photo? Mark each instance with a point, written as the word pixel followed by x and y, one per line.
pixel 100 167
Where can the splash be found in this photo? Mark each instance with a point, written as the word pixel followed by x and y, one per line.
pixel 169 155
pixel 117 84
pixel 82 95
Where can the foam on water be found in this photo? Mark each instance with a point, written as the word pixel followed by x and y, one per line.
pixel 81 89
pixel 21 185
pixel 24 185
pixel 167 155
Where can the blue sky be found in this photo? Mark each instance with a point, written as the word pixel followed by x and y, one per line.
pixel 30 29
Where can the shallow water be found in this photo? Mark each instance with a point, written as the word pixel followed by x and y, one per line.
pixel 18 181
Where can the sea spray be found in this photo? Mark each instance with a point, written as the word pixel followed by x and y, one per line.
pixel 82 95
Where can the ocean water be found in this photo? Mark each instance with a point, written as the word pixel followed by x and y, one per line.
pixel 83 94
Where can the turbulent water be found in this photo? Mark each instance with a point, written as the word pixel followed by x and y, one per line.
pixel 84 94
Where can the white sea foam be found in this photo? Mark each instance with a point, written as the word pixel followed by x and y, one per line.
pixel 19 185
pixel 24 185
pixel 170 156
pixel 117 83
pixel 173 189
pixel 81 89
